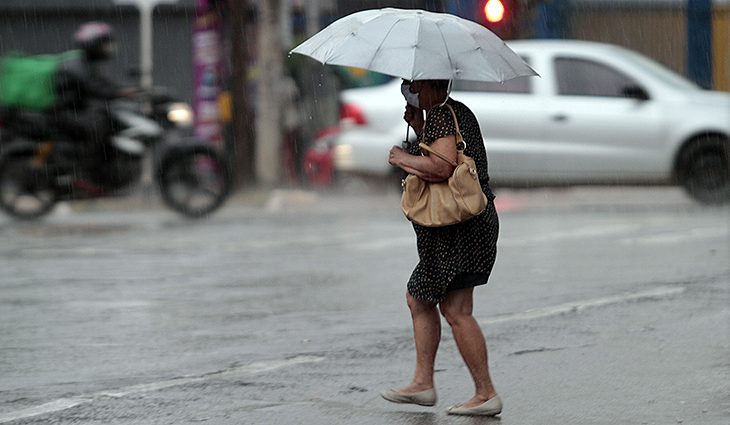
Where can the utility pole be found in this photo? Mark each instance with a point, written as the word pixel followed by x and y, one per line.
pixel 285 10
pixel 243 136
pixel 313 9
pixel 145 7
pixel 268 114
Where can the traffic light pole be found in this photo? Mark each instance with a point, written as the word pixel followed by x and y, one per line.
pixel 551 19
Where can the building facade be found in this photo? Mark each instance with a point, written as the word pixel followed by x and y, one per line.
pixel 656 28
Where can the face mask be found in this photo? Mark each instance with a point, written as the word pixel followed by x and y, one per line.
pixel 411 98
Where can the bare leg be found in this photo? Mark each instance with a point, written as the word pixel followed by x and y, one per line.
pixel 457 309
pixel 427 335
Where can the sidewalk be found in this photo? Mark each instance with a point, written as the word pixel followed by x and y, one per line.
pixel 150 199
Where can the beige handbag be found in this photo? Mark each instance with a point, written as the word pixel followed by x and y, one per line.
pixel 452 201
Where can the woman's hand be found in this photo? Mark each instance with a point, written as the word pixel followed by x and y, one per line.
pixel 395 158
pixel 430 168
pixel 414 117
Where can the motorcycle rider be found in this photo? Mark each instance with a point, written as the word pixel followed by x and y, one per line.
pixel 83 92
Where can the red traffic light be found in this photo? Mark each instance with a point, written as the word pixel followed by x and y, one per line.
pixel 494 11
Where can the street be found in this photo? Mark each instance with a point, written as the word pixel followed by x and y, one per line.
pixel 606 305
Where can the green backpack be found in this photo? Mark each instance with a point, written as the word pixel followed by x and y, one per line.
pixel 26 82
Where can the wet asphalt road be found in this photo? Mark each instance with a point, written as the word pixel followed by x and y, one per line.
pixel 606 306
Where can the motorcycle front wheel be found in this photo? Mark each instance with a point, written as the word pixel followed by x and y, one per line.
pixel 194 182
pixel 26 189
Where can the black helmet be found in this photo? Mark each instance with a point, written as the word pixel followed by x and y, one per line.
pixel 96 39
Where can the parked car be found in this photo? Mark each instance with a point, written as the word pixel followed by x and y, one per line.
pixel 598 114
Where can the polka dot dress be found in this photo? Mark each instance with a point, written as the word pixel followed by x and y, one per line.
pixel 461 255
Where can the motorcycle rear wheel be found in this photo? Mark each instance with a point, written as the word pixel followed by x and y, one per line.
pixel 194 182
pixel 26 190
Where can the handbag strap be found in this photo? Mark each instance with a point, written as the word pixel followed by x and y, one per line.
pixel 459 137
pixel 459 141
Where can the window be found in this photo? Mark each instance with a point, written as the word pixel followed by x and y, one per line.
pixel 516 85
pixel 580 77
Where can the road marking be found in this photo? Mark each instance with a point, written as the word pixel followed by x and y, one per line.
pixel 580 233
pixel 578 306
pixel 67 403
pixel 383 243
pixel 54 406
pixel 679 237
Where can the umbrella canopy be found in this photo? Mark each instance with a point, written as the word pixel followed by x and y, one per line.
pixel 415 45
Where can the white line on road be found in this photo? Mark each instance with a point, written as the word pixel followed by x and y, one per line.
pixel 67 403
pixel 365 242
pixel 573 234
pixel 577 306
pixel 54 406
pixel 679 237
pixel 580 233
pixel 384 243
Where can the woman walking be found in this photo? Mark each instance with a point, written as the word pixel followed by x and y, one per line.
pixel 452 259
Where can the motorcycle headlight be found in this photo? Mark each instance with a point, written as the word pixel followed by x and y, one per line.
pixel 180 114
pixel 343 156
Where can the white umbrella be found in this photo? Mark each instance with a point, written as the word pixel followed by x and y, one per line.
pixel 415 45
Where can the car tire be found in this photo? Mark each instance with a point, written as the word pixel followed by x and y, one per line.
pixel 704 170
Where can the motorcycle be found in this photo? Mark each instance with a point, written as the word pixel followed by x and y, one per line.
pixel 40 167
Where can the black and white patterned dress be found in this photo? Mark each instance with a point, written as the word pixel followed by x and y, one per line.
pixel 461 255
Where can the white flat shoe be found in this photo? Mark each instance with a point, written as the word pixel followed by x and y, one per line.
pixel 491 407
pixel 421 398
